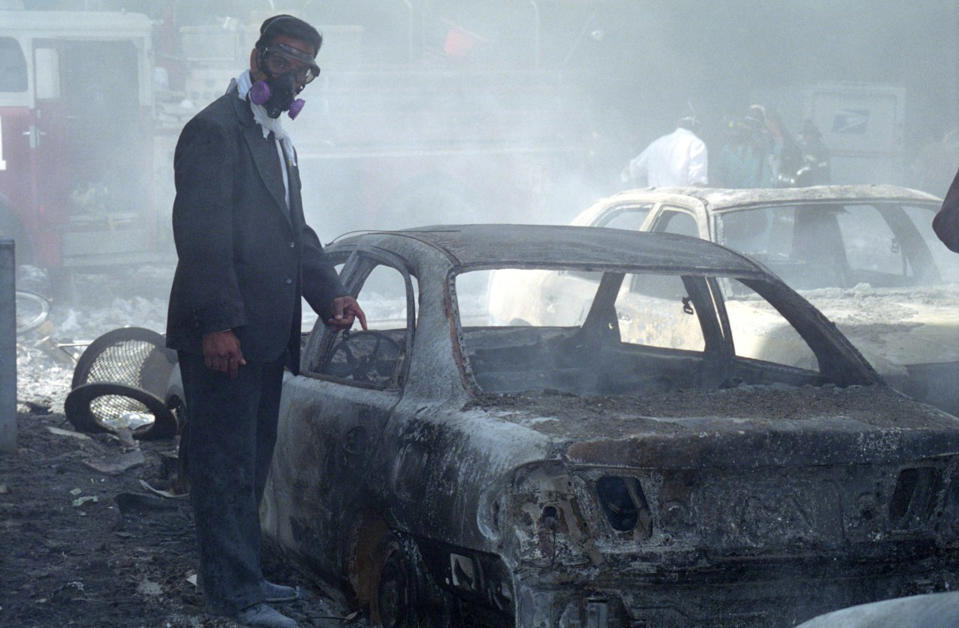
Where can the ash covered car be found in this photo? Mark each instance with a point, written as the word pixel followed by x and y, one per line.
pixel 442 467
pixel 865 255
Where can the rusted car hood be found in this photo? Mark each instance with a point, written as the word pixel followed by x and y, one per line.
pixel 748 426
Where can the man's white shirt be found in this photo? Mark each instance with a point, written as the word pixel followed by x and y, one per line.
pixel 282 141
pixel 676 159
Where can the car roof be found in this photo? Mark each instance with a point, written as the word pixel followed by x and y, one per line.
pixel 555 245
pixel 719 199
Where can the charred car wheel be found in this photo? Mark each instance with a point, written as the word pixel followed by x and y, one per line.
pixel 405 595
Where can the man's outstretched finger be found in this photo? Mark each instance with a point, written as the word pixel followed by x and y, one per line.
pixel 358 311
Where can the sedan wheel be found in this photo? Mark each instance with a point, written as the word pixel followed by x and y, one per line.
pixel 405 594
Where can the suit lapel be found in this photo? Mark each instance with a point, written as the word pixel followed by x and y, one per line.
pixel 265 158
pixel 263 151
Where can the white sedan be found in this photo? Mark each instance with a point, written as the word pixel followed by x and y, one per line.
pixel 865 255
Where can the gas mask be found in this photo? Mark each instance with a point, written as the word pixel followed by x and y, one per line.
pixel 288 71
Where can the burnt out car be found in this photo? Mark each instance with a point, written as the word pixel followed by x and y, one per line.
pixel 446 469
pixel 865 255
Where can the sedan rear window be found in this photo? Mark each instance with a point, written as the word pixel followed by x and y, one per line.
pixel 591 333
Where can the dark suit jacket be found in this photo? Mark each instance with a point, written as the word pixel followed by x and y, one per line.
pixel 946 222
pixel 244 259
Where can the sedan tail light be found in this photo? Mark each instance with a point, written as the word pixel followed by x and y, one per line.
pixel 915 497
pixel 624 504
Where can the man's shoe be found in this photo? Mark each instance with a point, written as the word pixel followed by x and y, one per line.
pixel 264 615
pixel 278 592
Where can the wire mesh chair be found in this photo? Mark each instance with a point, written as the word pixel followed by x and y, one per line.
pixel 120 381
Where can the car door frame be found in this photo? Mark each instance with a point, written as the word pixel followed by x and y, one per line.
pixel 694 208
pixel 332 430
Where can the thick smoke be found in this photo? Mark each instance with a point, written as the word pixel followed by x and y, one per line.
pixel 453 110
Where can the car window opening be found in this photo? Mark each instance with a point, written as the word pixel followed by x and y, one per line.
pixel 376 357
pixel 591 333
pixel 833 245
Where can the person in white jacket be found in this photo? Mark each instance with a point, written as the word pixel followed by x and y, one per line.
pixel 677 159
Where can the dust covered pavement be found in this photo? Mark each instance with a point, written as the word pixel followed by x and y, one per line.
pixel 84 542
pixel 83 547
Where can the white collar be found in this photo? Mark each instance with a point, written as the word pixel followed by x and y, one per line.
pixel 267 124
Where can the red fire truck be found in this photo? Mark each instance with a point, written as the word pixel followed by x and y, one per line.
pixel 76 146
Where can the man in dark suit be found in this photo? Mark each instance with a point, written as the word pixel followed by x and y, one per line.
pixel 246 256
pixel 946 222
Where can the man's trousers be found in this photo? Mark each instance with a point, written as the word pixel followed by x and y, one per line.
pixel 230 439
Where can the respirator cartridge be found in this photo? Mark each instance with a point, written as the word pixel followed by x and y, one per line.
pixel 288 71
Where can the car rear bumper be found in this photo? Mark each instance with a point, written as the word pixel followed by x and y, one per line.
pixel 771 593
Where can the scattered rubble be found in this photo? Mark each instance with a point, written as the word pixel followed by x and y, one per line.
pixel 85 542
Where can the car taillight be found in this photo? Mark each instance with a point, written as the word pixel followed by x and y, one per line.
pixel 624 505
pixel 915 497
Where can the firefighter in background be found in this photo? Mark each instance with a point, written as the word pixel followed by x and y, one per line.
pixel 786 157
pixel 802 161
pixel 816 168
pixel 677 159
pixel 747 158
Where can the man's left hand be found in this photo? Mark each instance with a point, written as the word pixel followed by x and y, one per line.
pixel 345 311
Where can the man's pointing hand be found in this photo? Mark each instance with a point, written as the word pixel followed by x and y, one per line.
pixel 345 311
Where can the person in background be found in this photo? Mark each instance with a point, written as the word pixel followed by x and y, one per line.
pixel 946 222
pixel 816 168
pixel 746 159
pixel 677 159
pixel 785 154
pixel 245 259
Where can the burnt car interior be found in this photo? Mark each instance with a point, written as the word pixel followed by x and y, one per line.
pixel 368 356
pixel 829 245
pixel 376 357
pixel 594 359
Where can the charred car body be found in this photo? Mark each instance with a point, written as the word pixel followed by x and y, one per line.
pixel 865 255
pixel 564 475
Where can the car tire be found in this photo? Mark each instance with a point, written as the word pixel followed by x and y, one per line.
pixel 82 409
pixel 130 362
pixel 405 596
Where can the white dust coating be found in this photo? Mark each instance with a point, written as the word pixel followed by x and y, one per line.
pixel 903 325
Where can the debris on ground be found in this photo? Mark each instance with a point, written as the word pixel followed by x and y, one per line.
pixel 84 542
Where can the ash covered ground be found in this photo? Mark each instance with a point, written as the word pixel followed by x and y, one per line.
pixel 85 543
